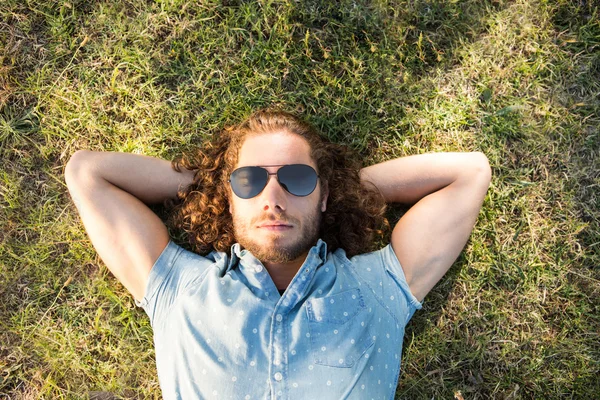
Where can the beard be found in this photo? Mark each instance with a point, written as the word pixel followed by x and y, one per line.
pixel 276 250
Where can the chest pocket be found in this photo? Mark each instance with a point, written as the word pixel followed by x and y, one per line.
pixel 339 328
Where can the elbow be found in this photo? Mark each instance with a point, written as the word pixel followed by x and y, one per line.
pixel 78 155
pixel 75 165
pixel 481 168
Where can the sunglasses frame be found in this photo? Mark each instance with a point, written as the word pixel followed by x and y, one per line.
pixel 263 167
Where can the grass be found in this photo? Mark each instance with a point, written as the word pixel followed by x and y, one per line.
pixel 517 316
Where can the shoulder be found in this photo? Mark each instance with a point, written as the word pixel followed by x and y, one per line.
pixel 381 271
pixel 175 271
pixel 176 267
pixel 381 257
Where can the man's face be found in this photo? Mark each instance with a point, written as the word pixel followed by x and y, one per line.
pixel 301 215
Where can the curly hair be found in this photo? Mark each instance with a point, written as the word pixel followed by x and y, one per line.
pixel 355 214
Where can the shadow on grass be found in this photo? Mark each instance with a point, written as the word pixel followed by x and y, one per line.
pixel 350 67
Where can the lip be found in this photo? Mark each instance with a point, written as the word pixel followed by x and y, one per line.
pixel 275 226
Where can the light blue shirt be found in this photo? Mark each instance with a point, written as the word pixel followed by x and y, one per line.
pixel 223 331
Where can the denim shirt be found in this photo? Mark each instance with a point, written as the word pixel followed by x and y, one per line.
pixel 223 331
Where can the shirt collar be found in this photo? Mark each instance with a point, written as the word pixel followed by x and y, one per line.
pixel 316 256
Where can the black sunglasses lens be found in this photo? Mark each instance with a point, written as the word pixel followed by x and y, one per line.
pixel 247 182
pixel 298 179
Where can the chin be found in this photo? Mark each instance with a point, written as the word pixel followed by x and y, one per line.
pixel 277 241
pixel 269 235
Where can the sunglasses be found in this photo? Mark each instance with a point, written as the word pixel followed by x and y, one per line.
pixel 297 179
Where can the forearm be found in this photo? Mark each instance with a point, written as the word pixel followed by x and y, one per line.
pixel 150 179
pixel 409 179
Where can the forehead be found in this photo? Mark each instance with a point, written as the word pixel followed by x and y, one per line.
pixel 276 148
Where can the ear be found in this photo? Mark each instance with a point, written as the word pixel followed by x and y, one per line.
pixel 324 198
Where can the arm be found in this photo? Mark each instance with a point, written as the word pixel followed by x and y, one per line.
pixel 149 179
pixel 110 191
pixel 447 190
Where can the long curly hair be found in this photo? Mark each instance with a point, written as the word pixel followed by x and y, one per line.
pixel 355 214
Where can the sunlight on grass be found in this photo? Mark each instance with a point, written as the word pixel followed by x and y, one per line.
pixel 517 316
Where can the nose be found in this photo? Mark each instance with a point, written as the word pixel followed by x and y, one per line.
pixel 273 196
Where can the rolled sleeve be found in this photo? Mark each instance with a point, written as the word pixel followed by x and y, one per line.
pixel 394 268
pixel 160 276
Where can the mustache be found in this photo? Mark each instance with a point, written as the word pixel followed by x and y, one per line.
pixel 281 218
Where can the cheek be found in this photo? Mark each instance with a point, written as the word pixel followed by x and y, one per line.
pixel 240 210
pixel 304 207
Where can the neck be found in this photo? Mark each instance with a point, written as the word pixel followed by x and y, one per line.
pixel 283 273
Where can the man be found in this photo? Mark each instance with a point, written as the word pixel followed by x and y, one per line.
pixel 280 308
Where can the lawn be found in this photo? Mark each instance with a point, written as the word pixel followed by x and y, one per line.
pixel 517 316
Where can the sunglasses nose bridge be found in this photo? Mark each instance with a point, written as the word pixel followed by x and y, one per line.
pixel 273 197
pixel 276 178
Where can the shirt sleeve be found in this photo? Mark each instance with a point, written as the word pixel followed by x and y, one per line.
pixel 382 273
pixel 173 271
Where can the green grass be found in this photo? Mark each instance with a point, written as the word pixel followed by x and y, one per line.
pixel 517 316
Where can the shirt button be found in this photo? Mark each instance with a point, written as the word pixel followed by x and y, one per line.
pixel 279 317
pixel 278 376
pixel 258 268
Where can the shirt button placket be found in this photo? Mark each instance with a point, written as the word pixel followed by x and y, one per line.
pixel 278 358
pixel 279 340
